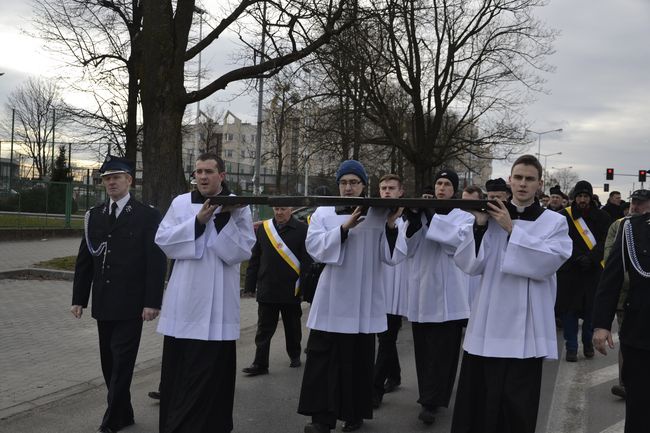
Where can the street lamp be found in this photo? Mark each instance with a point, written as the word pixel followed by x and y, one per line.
pixel 539 138
pixel 544 167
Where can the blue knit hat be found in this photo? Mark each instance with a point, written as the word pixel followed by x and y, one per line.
pixel 352 166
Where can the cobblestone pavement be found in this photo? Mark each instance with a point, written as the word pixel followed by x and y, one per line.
pixel 46 351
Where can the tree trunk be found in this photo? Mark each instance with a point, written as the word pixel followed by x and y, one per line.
pixel 164 39
pixel 131 147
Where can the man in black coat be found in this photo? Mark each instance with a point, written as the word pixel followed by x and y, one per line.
pixel 578 277
pixel 119 261
pixel 614 206
pixel 279 258
pixel 631 253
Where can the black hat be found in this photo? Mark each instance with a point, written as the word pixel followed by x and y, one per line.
pixel 583 187
pixel 641 195
pixel 450 175
pixel 115 164
pixel 496 185
pixel 556 190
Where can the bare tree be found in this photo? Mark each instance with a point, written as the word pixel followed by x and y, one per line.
pixel 293 30
pixel 99 37
pixel 465 68
pixel 35 104
pixel 565 177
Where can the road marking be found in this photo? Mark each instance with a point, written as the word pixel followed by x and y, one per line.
pixel 616 428
pixel 569 401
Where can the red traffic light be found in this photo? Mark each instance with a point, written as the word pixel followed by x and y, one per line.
pixel 609 174
pixel 642 175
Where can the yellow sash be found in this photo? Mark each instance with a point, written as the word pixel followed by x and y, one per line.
pixel 585 233
pixel 283 250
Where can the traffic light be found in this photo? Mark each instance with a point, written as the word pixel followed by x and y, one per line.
pixel 606 187
pixel 642 174
pixel 609 175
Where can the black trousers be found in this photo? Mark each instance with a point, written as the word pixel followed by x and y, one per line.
pixel 267 322
pixel 119 341
pixel 337 382
pixel 198 386
pixel 636 376
pixel 497 395
pixel 437 349
pixel 387 363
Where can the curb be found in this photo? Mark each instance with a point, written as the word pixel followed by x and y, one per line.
pixel 36 274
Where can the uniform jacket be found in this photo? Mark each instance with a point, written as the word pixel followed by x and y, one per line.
pixel 130 274
pixel 578 277
pixel 634 331
pixel 268 272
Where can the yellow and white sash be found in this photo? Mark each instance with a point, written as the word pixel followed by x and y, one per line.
pixel 283 250
pixel 585 233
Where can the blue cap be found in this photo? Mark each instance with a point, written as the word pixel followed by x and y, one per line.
pixel 352 166
pixel 115 164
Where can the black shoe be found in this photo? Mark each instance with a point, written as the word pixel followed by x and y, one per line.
pixel 619 391
pixel 352 425
pixel 427 415
pixel 255 370
pixel 106 430
pixel 588 350
pixel 376 400
pixel 313 427
pixel 391 385
pixel 154 394
pixel 571 355
pixel 295 362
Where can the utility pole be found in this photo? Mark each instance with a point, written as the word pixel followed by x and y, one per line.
pixel 53 132
pixel 11 150
pixel 260 103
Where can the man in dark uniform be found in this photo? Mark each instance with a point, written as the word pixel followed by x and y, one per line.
pixel 498 189
pixel 631 253
pixel 279 257
pixel 119 260
pixel 578 277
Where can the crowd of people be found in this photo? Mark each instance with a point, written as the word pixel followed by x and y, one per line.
pixel 491 285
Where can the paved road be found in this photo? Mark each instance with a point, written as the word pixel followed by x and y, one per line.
pixel 50 379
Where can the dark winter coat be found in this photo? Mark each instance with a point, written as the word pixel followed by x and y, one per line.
pixel 578 277
pixel 267 271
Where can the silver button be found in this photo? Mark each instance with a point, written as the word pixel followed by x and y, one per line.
pixel 110 236
pixel 108 281
pixel 108 251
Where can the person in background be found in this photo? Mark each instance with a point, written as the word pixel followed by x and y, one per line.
pixel 278 260
pixel 498 189
pixel 613 206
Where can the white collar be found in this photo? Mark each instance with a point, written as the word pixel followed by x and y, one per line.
pixel 121 202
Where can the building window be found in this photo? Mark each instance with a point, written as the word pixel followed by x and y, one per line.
pixel 242 153
pixel 228 153
pixel 229 137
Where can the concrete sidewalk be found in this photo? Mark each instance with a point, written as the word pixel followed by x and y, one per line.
pixel 24 254
pixel 46 353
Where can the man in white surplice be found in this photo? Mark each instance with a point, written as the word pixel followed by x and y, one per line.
pixel 200 312
pixel 516 248
pixel 349 305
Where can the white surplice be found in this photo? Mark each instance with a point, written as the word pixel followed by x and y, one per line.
pixel 438 288
pixel 350 296
pixel 394 277
pixel 512 313
pixel 202 297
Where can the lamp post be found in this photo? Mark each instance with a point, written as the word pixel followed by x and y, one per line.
pixel 197 151
pixel 544 166
pixel 539 138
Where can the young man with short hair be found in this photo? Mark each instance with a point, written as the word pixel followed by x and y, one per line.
pixel 437 296
pixel 516 247
pixel 387 376
pixel 200 313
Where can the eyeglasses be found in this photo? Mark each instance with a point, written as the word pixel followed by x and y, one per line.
pixel 350 182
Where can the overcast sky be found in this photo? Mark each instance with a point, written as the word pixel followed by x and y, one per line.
pixel 599 94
